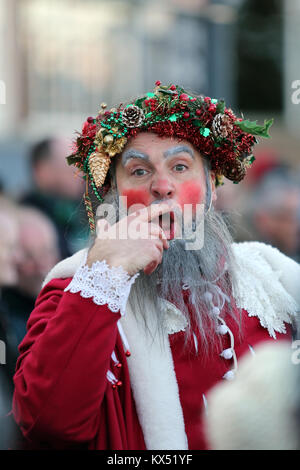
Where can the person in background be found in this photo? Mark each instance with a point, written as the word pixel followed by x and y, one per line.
pixel 40 252
pixel 272 211
pixel 234 199
pixel 57 192
pixel 129 336
pixel 9 259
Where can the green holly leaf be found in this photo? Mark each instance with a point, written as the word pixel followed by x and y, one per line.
pixel 251 127
pixel 140 102
pixel 197 123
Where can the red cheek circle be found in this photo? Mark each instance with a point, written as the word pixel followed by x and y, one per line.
pixel 191 192
pixel 136 196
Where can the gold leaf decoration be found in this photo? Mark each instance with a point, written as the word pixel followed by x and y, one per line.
pixel 116 146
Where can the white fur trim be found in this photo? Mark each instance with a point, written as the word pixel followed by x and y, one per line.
pixel 267 282
pixel 67 267
pixel 154 385
pixel 288 269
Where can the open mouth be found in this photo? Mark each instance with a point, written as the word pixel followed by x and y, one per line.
pixel 167 223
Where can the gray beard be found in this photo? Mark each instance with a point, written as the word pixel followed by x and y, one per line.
pixel 185 276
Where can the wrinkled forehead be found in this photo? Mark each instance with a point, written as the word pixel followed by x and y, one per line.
pixel 148 145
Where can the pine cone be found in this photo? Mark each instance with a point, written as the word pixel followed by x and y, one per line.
pixel 222 125
pixel 235 172
pixel 99 165
pixel 133 116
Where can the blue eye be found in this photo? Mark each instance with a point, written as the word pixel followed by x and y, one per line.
pixel 180 167
pixel 139 172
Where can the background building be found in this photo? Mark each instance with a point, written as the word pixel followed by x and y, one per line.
pixel 60 58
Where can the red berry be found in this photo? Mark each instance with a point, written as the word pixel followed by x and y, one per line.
pixel 184 97
pixel 172 87
pixel 90 119
pixel 186 115
pixel 119 383
pixel 127 353
pixel 198 111
pixel 157 83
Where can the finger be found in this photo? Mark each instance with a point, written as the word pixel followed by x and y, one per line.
pixel 155 210
pixel 157 232
pixel 150 268
pixel 147 231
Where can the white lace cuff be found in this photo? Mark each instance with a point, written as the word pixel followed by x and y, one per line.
pixel 105 284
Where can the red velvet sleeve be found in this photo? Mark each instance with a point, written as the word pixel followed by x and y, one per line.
pixel 60 378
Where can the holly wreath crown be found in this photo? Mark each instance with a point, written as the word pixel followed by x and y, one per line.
pixel 225 140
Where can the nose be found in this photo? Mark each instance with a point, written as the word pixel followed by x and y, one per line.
pixel 162 189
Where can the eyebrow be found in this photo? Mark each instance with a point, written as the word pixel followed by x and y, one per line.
pixel 132 153
pixel 178 149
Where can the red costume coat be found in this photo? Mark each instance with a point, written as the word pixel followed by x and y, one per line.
pixel 63 398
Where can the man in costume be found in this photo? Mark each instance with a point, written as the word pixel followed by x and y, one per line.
pixel 128 337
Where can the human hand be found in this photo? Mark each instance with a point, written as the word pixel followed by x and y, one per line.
pixel 135 242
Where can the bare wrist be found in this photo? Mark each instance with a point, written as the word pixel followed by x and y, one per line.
pixel 110 259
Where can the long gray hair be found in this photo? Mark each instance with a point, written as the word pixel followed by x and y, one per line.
pixel 197 281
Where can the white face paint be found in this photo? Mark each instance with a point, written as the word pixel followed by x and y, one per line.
pixel 154 169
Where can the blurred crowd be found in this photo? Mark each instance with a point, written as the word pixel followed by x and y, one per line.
pixel 40 228
pixel 48 224
pixel 265 206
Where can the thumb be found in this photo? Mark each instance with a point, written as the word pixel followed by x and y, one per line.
pixel 150 267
